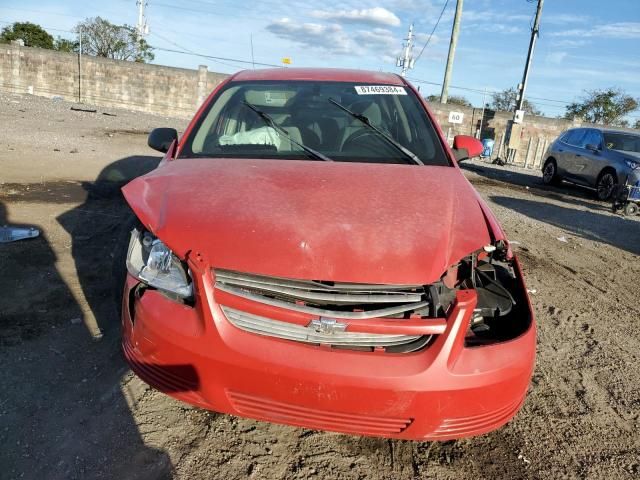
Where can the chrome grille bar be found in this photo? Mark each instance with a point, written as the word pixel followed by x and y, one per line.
pixel 383 312
pixel 324 299
pixel 291 331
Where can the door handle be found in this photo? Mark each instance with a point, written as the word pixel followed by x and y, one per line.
pixel 578 155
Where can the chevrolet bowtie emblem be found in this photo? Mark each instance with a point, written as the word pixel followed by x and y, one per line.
pixel 327 326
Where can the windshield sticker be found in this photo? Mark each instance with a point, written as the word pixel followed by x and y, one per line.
pixel 379 90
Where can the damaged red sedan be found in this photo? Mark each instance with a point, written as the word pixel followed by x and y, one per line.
pixel 310 253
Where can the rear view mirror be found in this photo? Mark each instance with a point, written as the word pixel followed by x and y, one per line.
pixel 465 146
pixel 160 139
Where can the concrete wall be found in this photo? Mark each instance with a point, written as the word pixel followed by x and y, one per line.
pixel 100 81
pixel 179 92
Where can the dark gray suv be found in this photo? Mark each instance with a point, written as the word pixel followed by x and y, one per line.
pixel 596 158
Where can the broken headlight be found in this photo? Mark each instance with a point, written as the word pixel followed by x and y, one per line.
pixel 151 262
pixel 502 311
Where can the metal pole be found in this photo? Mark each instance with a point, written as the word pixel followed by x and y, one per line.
pixel 452 52
pixel 406 62
pixel 253 62
pixel 80 66
pixel 532 45
pixel 484 92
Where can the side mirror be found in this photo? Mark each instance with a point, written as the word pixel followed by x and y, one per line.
pixel 465 146
pixel 592 147
pixel 160 139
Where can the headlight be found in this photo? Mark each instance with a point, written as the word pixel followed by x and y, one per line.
pixel 632 165
pixel 151 262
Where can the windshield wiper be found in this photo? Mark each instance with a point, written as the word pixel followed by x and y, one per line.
pixel 271 122
pixel 398 146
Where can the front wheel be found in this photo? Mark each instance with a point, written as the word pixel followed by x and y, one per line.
pixel 550 173
pixel 631 209
pixel 606 185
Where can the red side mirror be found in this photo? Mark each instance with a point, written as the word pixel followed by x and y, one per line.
pixel 465 146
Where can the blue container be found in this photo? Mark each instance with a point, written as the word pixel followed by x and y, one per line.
pixel 634 192
pixel 488 144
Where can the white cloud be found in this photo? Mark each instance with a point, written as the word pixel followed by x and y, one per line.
pixel 564 18
pixel 331 38
pixel 620 30
pixel 368 16
pixel 569 43
pixel 556 58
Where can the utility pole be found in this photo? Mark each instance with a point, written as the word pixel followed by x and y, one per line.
pixel 514 128
pixel 452 52
pixel 532 45
pixel 406 61
pixel 141 27
pixel 80 66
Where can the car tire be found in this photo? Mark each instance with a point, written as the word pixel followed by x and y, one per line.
pixel 630 209
pixel 119 267
pixel 550 173
pixel 606 185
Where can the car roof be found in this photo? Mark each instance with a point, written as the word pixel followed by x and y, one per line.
pixel 605 130
pixel 320 74
pixel 611 130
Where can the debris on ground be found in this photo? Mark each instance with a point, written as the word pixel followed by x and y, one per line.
pixel 10 233
pixel 87 110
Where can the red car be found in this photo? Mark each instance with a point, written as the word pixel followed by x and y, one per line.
pixel 310 253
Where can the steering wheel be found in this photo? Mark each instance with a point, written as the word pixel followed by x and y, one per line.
pixel 362 142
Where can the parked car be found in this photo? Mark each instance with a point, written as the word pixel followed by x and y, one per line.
pixel 310 253
pixel 598 158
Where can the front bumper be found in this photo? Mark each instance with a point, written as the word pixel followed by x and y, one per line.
pixel 442 392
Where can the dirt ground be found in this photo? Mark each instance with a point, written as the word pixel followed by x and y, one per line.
pixel 70 407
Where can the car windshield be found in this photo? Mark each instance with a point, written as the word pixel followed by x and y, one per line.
pixel 338 121
pixel 625 142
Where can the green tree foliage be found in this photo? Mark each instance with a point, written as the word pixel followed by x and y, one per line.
pixel 453 99
pixel 32 34
pixel 506 101
pixel 65 45
pixel 607 106
pixel 637 125
pixel 120 42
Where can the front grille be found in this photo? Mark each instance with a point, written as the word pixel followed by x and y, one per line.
pixel 309 334
pixel 476 424
pixel 266 409
pixel 330 299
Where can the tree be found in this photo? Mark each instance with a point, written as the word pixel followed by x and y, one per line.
pixel 120 42
pixel 506 101
pixel 607 106
pixel 65 45
pixel 637 125
pixel 32 34
pixel 453 99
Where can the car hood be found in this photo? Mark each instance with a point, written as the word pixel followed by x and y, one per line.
pixel 349 222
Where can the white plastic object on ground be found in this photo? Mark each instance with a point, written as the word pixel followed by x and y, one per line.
pixel 10 233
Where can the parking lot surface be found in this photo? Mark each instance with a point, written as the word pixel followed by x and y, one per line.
pixel 70 407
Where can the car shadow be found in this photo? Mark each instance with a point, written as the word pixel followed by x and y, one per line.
pixel 564 192
pixel 616 231
pixel 68 399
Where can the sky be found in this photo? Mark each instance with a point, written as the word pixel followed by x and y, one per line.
pixel 583 44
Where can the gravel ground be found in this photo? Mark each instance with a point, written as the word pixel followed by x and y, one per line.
pixel 71 408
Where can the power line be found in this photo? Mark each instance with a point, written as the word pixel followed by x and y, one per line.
pixel 249 62
pixel 187 50
pixel 432 31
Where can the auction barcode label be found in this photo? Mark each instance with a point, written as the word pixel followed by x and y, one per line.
pixel 380 90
